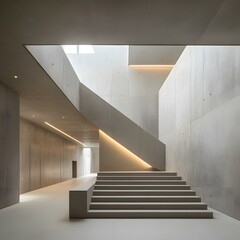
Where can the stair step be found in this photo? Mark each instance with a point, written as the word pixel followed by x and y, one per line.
pixel 150 214
pixel 144 205
pixel 143 192
pixel 137 173
pixel 142 187
pixel 129 177
pixel 146 199
pixel 140 182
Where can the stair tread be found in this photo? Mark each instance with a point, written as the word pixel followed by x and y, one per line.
pixel 136 172
pixel 157 213
pixel 150 210
pixel 115 196
pixel 144 190
pixel 139 180
pixel 148 203
pixel 126 177
pixel 139 185
pixel 133 176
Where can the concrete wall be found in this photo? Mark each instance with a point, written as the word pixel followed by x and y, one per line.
pixel 199 123
pixel 132 92
pixel 98 111
pixel 9 147
pixel 46 158
pixel 114 157
pixel 154 55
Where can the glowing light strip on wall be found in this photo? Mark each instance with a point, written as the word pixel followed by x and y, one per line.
pixel 123 149
pixel 64 133
pixel 151 67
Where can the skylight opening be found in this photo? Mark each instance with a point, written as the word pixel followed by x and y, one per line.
pixel 85 49
pixel 78 49
pixel 70 49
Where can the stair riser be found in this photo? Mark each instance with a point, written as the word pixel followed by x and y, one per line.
pixel 116 193
pixel 140 187
pixel 138 178
pixel 148 207
pixel 126 182
pixel 145 195
pixel 142 199
pixel 186 214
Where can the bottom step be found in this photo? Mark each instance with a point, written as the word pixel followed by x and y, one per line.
pixel 150 214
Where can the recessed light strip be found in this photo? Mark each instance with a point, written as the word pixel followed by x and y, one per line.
pixel 124 150
pixel 64 133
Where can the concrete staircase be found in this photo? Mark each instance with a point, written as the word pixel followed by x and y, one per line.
pixel 153 194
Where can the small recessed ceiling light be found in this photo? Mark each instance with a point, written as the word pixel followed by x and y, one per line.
pixel 15 76
pixel 33 116
pixel 63 117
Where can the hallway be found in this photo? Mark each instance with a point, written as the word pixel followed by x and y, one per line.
pixel 43 215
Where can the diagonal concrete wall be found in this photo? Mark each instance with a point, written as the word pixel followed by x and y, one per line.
pixel 132 91
pixel 102 114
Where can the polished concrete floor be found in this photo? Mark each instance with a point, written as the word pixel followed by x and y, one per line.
pixel 43 215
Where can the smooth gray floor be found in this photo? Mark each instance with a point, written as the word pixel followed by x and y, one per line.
pixel 43 215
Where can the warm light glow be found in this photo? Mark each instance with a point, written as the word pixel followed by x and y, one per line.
pixel 124 150
pixel 87 157
pixel 15 76
pixel 28 197
pixel 151 67
pixel 64 133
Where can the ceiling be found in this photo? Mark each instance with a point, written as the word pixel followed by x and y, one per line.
pixel 132 22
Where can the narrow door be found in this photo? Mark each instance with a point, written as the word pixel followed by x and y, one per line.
pixel 74 169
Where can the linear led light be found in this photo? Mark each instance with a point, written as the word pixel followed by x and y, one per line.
pixel 151 66
pixel 125 150
pixel 64 133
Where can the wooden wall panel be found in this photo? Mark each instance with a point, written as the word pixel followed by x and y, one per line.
pixel 9 147
pixel 35 166
pixel 24 167
pixel 3 98
pixel 46 158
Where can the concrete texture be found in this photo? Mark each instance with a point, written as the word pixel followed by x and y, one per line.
pixel 9 146
pixel 80 199
pixel 98 111
pixel 43 215
pixel 135 22
pixel 140 205
pixel 131 91
pixel 199 112
pixel 154 55
pixel 114 157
